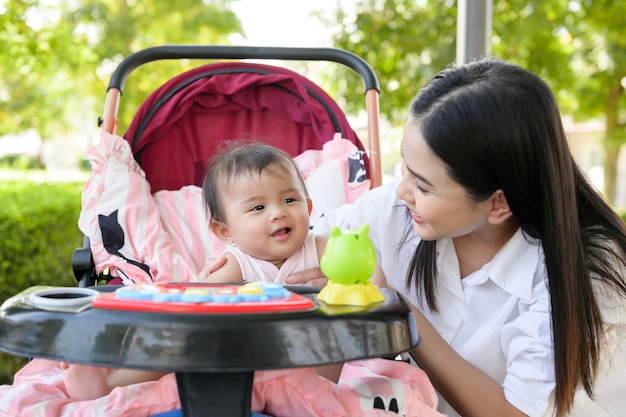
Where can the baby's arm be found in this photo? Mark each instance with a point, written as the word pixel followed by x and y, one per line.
pixel 320 244
pixel 230 271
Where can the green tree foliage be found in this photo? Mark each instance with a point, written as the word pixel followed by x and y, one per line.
pixel 600 61
pixel 122 27
pixel 405 41
pixel 535 34
pixel 576 46
pixel 39 61
pixel 57 56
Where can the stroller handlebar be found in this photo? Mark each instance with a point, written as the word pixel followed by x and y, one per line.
pixel 341 56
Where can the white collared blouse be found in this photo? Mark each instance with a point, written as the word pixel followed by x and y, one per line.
pixel 497 318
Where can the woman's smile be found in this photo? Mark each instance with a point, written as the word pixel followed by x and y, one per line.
pixel 416 218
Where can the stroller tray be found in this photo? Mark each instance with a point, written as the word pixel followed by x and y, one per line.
pixel 256 297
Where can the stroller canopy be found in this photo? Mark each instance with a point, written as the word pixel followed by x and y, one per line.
pixel 180 126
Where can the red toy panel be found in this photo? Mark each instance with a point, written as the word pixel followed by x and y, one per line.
pixel 254 297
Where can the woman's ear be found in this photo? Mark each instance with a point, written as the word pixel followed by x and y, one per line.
pixel 222 232
pixel 499 210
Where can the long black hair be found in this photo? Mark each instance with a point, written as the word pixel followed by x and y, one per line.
pixel 497 126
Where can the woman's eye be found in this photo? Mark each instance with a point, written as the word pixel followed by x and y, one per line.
pixel 420 189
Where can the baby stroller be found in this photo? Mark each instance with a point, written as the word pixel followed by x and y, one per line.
pixel 136 232
pixel 179 127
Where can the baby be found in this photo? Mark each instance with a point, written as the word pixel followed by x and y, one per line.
pixel 260 208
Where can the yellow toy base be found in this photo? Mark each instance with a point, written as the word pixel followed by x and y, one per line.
pixel 352 295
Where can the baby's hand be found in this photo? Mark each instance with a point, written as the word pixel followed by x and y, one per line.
pixel 310 277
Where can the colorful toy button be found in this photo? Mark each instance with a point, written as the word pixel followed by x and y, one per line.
pixel 252 292
pixel 167 295
pixel 275 290
pixel 226 295
pixel 196 295
pixel 137 292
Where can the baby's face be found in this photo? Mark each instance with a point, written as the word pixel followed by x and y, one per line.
pixel 267 215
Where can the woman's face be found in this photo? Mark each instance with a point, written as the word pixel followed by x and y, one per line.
pixel 438 205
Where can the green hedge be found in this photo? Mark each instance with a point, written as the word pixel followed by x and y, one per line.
pixel 39 232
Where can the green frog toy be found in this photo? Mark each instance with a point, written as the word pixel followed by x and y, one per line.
pixel 349 260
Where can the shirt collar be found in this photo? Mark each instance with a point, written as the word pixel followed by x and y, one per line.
pixel 514 266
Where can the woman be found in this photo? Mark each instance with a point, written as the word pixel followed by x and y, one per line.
pixel 516 265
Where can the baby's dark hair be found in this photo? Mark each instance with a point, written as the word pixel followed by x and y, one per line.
pixel 238 158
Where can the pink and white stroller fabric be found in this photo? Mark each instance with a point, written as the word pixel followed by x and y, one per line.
pixel 142 237
pixel 367 388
